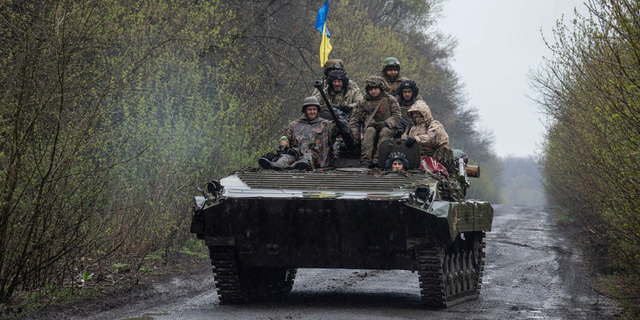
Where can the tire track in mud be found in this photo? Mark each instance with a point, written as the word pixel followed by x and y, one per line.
pixel 531 272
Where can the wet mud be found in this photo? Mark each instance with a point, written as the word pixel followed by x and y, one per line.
pixel 533 271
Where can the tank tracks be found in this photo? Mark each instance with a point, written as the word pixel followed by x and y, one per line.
pixel 451 274
pixel 236 285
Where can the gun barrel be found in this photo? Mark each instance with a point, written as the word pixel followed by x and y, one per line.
pixel 346 135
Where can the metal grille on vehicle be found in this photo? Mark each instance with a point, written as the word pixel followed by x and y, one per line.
pixel 329 181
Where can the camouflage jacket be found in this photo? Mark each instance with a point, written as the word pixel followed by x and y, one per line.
pixel 389 112
pixel 393 83
pixel 310 136
pixel 348 97
pixel 405 105
pixel 429 133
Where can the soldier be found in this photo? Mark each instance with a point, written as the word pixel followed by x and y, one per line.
pixel 391 73
pixel 397 161
pixel 428 133
pixel 333 64
pixel 342 92
pixel 305 143
pixel 378 114
pixel 407 95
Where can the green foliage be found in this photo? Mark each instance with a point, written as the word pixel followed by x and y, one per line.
pixel 590 159
pixel 119 265
pixel 86 276
pixel 146 269
pixel 112 111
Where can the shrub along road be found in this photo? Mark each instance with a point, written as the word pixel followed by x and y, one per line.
pixel 533 271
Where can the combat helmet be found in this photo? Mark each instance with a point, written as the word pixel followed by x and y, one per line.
pixel 310 101
pixel 333 64
pixel 376 82
pixel 339 75
pixel 408 84
pixel 396 156
pixel 390 62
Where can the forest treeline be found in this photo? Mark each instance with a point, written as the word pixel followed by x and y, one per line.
pixel 522 181
pixel 112 112
pixel 590 89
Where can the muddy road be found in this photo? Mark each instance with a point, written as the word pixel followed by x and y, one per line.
pixel 532 272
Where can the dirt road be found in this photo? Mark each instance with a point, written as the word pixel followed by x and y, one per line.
pixel 532 272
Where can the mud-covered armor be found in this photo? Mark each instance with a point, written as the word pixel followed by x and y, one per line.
pixel 262 225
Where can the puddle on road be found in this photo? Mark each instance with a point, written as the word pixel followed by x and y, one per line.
pixel 149 316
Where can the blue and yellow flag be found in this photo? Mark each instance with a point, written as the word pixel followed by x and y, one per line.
pixel 321 25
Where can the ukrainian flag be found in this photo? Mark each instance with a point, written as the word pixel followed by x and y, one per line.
pixel 321 25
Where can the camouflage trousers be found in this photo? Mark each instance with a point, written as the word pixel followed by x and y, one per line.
pixel 369 140
pixel 286 160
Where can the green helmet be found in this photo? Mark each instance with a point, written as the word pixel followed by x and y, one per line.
pixel 310 101
pixel 333 64
pixel 390 62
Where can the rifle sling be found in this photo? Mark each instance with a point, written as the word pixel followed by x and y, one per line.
pixel 370 117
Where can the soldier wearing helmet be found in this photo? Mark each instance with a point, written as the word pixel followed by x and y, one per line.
pixel 333 64
pixel 397 161
pixel 343 93
pixel 428 133
pixel 407 95
pixel 378 115
pixel 391 73
pixel 305 143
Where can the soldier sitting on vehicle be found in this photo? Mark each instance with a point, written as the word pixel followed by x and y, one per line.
pixel 378 115
pixel 428 133
pixel 407 95
pixel 397 161
pixel 305 143
pixel 391 73
pixel 343 93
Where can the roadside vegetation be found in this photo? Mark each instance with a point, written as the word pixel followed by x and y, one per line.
pixel 112 113
pixel 590 89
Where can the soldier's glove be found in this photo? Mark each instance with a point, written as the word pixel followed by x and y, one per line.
pixel 344 109
pixel 381 124
pixel 283 143
pixel 291 152
pixel 410 142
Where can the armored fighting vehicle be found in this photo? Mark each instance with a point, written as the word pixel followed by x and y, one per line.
pixel 261 226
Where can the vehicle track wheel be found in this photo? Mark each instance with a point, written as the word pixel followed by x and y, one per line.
pixel 457 273
pixel 448 275
pixel 467 270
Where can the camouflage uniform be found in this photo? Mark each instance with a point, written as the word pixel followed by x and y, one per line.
pixel 348 96
pixel 406 104
pixel 429 134
pixel 393 82
pixel 311 140
pixel 388 112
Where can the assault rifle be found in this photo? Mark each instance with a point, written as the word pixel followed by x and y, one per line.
pixel 344 130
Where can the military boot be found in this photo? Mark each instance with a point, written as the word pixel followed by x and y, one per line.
pixel 266 164
pixel 301 165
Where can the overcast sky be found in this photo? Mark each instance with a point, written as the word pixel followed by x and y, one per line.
pixel 499 41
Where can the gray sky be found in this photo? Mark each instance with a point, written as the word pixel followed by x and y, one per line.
pixel 499 41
